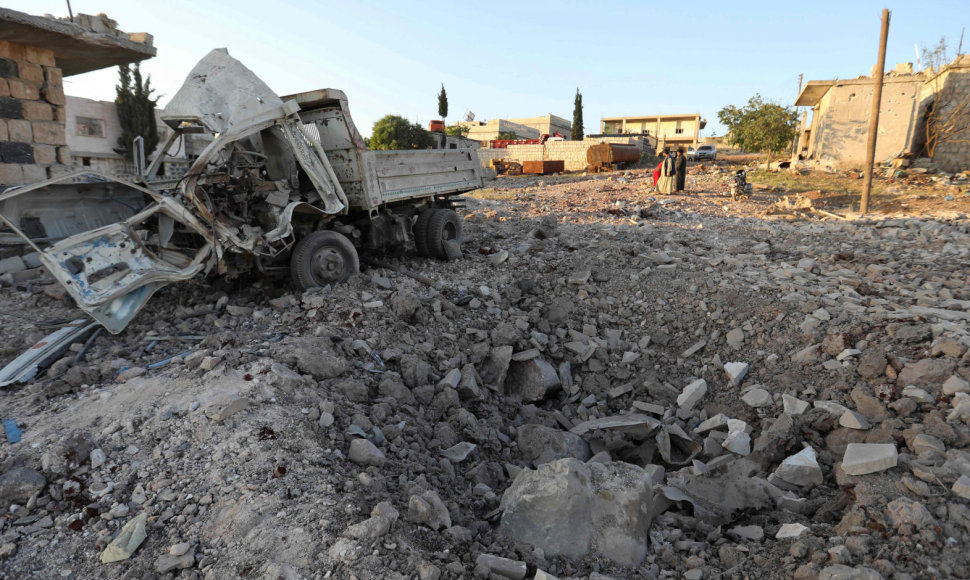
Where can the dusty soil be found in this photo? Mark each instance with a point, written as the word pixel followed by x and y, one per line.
pixel 241 449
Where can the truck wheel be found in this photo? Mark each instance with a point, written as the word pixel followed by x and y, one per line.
pixel 421 231
pixel 323 258
pixel 444 226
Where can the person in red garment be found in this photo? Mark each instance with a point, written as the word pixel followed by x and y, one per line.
pixel 656 172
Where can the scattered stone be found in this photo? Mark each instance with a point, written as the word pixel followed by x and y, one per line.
pixel 692 394
pixel 539 444
pixel 794 406
pixel 427 508
pixel 801 469
pixel 20 484
pixel 757 397
pixel 459 452
pixel 852 420
pixel 865 458
pixel 795 530
pixel 533 380
pixel 501 567
pixel 363 452
pixel 168 562
pixel 962 486
pixel 956 384
pixel 735 338
pixel 754 533
pixel 736 371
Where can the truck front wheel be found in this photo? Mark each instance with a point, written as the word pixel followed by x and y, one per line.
pixel 323 258
pixel 444 227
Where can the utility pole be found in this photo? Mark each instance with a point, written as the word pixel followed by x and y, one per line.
pixel 798 137
pixel 874 115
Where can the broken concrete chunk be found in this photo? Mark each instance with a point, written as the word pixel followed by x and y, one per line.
pixel 570 508
pixel 692 394
pixel 757 397
pixel 495 367
pixel 962 487
pixel 801 469
pixel 363 452
pixel 19 484
pixel 754 533
pixel 382 518
pixel 459 452
pixel 795 530
pixel 865 458
pixel 736 371
pixel 794 406
pixel 853 420
pixel 168 562
pixel 427 508
pixel 501 567
pixel 533 380
pixel 129 538
pixel 539 444
pixel 925 442
pixel 956 384
pixel 738 442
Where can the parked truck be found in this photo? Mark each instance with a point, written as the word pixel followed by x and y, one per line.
pixel 286 184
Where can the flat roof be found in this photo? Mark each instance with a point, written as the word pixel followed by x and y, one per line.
pixel 77 49
pixel 813 91
pixel 644 117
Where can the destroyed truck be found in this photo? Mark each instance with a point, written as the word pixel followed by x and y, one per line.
pixel 286 184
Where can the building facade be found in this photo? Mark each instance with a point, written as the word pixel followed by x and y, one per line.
pixel 485 132
pixel 913 112
pixel 36 52
pixel 669 130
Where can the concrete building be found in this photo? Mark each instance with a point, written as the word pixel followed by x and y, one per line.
pixel 669 130
pixel 93 130
pixel 485 132
pixel 35 54
pixel 546 125
pixel 837 133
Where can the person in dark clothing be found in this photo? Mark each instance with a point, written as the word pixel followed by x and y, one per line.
pixel 680 168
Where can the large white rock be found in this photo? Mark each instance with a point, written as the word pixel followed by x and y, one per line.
pixel 738 442
pixel 864 458
pixel 793 405
pixel 791 531
pixel 692 394
pixel 568 508
pixel 853 420
pixel 954 385
pixel 757 397
pixel 801 469
pixel 962 487
pixel 736 371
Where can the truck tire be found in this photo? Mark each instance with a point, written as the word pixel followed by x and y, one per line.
pixel 322 258
pixel 421 231
pixel 444 226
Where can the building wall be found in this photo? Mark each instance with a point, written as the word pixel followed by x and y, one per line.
pixel 573 153
pixel 32 140
pixel 487 132
pixel 664 128
pixel 953 155
pixel 840 124
pixel 548 124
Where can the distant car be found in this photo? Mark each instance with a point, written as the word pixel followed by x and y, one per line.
pixel 691 152
pixel 706 152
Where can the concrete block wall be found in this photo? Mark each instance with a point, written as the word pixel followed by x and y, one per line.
pixel 572 153
pixel 32 140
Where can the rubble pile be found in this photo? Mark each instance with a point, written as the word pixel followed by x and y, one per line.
pixel 608 385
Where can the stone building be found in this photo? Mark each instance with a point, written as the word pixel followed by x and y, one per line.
pixel 837 133
pixel 485 132
pixel 36 52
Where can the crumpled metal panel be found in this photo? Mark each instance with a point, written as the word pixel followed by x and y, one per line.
pixel 45 352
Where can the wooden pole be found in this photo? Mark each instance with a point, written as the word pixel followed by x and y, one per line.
pixel 874 115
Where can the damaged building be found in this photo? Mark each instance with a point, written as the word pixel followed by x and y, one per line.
pixel 913 111
pixel 36 52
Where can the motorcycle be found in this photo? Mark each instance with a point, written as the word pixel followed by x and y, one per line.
pixel 740 188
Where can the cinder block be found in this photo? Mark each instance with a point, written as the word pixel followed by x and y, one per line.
pixel 11 174
pixel 48 133
pixel 34 173
pixel 12 50
pixel 59 170
pixel 64 155
pixel 4 88
pixel 23 90
pixel 20 130
pixel 12 152
pixel 45 155
pixel 53 94
pixel 60 114
pixel 37 111
pixel 31 73
pixel 38 55
pixel 53 75
pixel 10 108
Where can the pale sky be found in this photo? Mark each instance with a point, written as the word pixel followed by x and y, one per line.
pixel 523 59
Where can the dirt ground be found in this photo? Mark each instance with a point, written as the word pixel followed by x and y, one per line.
pixel 294 424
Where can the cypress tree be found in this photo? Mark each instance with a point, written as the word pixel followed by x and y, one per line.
pixel 443 103
pixel 136 110
pixel 577 132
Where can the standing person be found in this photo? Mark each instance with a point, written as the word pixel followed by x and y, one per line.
pixel 666 182
pixel 680 168
pixel 656 171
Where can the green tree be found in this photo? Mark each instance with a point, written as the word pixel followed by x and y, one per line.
pixel 760 125
pixel 395 132
pixel 458 130
pixel 443 103
pixel 577 131
pixel 507 136
pixel 136 109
